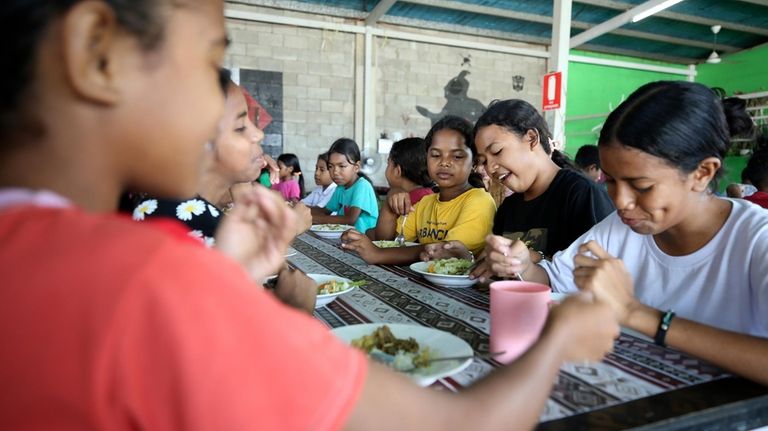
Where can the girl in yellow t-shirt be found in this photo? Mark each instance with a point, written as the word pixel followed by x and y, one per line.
pixel 459 212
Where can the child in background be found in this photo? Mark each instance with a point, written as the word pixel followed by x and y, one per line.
pixel 353 201
pixel 291 184
pixel 408 180
pixel 588 162
pixel 756 174
pixel 322 194
pixel 497 190
pixel 458 213
pixel 264 177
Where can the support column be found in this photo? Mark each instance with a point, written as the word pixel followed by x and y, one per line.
pixel 369 119
pixel 359 87
pixel 558 62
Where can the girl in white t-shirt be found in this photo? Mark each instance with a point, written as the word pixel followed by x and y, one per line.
pixel 325 185
pixel 672 246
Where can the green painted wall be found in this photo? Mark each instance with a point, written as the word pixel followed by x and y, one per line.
pixel 595 89
pixel 743 72
pixel 733 167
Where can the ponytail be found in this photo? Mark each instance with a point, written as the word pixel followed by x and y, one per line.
pixel 562 160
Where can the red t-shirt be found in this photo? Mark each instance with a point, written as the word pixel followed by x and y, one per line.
pixel 110 324
pixel 416 194
pixel 759 198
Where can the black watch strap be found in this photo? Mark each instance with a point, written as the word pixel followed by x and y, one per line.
pixel 661 332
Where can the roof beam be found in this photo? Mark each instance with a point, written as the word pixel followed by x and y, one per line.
pixel 464 29
pixel 639 54
pixel 757 2
pixel 379 11
pixel 693 19
pixel 630 65
pixel 673 40
pixel 483 10
pixel 541 19
pixel 613 23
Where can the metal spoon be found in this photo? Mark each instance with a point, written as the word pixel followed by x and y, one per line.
pixel 400 238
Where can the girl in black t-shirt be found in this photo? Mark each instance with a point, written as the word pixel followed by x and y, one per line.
pixel 551 206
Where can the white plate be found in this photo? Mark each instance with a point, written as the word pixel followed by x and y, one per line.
pixel 441 344
pixel 440 279
pixel 322 231
pixel 327 298
pixel 389 244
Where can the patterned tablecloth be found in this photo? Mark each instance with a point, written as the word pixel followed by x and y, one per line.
pixel 636 369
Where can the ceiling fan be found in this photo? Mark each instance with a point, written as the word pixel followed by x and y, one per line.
pixel 714 58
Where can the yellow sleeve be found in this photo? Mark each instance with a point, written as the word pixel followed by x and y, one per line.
pixel 475 221
pixel 414 219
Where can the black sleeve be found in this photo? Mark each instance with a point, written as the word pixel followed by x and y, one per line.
pixel 602 204
pixel 498 219
pixel 588 204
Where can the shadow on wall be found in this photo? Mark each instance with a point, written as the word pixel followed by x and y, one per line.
pixel 458 103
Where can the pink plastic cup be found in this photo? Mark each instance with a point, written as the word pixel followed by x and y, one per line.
pixel 518 313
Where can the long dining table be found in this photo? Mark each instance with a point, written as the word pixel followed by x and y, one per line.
pixel 640 385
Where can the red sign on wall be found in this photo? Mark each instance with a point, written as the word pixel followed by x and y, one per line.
pixel 553 86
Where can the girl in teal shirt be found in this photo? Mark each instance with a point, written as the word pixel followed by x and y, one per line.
pixel 354 201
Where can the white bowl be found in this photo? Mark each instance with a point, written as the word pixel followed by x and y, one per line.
pixel 330 231
pixel 323 300
pixel 441 344
pixel 454 281
pixel 392 244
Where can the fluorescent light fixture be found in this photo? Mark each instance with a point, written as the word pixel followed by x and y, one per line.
pixel 658 8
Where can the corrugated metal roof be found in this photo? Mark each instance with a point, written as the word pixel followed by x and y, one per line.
pixel 680 34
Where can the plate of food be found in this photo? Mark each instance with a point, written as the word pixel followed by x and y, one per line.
pixel 393 244
pixel 453 272
pixel 411 348
pixel 329 287
pixel 331 231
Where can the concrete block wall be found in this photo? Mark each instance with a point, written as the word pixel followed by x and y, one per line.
pixel 411 73
pixel 319 77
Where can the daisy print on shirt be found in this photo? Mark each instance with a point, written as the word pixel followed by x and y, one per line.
pixel 207 240
pixel 200 216
pixel 145 208
pixel 187 209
